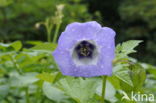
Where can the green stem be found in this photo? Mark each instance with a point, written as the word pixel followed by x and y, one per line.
pixel 49 36
pixel 38 95
pixel 27 95
pixel 15 64
pixel 103 88
pixel 56 32
pixel 49 28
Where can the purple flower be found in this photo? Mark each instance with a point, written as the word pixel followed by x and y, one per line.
pixel 85 50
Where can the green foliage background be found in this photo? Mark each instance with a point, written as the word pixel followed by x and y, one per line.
pixel 131 19
pixel 28 73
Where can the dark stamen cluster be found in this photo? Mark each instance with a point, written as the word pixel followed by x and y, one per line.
pixel 85 49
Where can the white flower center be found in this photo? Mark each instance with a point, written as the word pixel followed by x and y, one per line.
pixel 85 52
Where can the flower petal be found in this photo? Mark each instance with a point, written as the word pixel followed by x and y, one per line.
pixel 78 31
pixel 75 32
pixel 106 39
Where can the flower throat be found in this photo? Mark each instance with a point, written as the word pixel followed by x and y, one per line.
pixel 85 49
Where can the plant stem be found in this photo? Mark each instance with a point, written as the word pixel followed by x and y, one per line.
pixel 49 36
pixel 103 88
pixel 27 95
pixel 49 28
pixel 56 32
pixel 38 95
pixel 15 64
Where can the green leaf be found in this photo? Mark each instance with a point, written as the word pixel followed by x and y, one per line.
pixel 34 42
pixel 24 80
pixel 109 93
pixel 53 92
pixel 45 46
pixel 47 77
pixel 17 45
pixel 129 46
pixel 4 3
pixel 3 45
pixel 114 81
pixel 122 50
pixel 124 76
pixel 78 89
pixel 122 73
pixel 4 90
pixel 149 68
pixel 138 75
pixel 58 77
